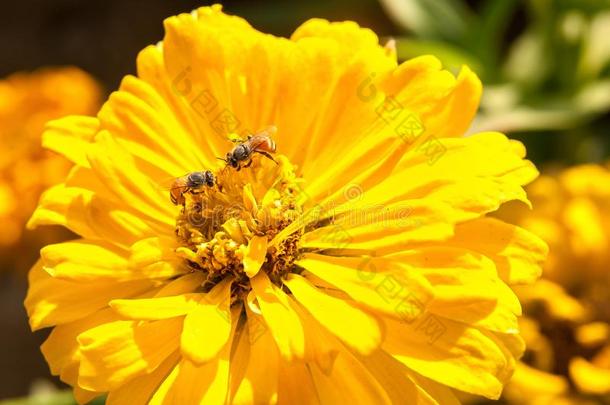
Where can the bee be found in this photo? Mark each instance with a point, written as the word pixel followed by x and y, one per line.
pixel 260 142
pixel 190 183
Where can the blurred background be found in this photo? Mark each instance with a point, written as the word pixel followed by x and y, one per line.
pixel 545 65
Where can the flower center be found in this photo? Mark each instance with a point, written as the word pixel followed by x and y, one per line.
pixel 216 224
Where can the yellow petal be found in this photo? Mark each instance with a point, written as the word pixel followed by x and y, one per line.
pixel 116 167
pixel 344 33
pixel 141 389
pixel 142 122
pixel 155 258
pixel 250 203
pixel 466 287
pixel 453 116
pixel 347 176
pixel 116 352
pixel 447 105
pixel 420 221
pixel 191 384
pixel 203 73
pixel 558 302
pixel 212 85
pixel 254 255
pixel 151 309
pixel 85 260
pixel 593 334
pixel 88 215
pixel 529 382
pixel 356 328
pixel 349 381
pixel 325 44
pixel 392 376
pixel 208 383
pixel 431 392
pixel 458 172
pixel 83 397
pixel 254 387
pixel 296 383
pixel 71 136
pixel 586 223
pixel 321 346
pixel 590 378
pixel 518 254
pixel 182 102
pixel 207 326
pixel 61 349
pixel 448 352
pixel 51 301
pixel 283 322
pixel 379 284
pixel 182 285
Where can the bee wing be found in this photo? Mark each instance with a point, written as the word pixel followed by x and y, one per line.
pixel 268 131
pixel 168 183
pixel 257 140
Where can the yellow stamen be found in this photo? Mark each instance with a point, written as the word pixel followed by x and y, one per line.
pixel 225 231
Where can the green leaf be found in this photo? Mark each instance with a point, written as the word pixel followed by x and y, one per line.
pixel 50 397
pixel 503 110
pixel 594 98
pixel 452 57
pixel 485 38
pixel 43 398
pixel 438 19
pixel 525 118
pixel 596 52
pixel 528 62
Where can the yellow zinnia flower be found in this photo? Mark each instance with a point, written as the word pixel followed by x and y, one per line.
pixel 355 264
pixel 27 102
pixel 567 323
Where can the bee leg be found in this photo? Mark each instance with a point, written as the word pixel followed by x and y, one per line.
pixel 268 156
pixel 248 164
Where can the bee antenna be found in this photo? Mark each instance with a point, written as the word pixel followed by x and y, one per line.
pixel 223 159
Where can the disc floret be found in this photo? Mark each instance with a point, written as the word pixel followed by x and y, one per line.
pixel 215 226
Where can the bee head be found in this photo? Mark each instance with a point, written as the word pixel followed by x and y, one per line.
pixel 232 160
pixel 209 178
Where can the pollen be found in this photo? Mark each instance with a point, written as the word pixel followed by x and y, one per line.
pixel 216 224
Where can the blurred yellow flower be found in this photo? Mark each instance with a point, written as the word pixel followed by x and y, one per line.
pixel 567 323
pixel 359 267
pixel 27 102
